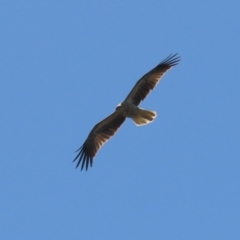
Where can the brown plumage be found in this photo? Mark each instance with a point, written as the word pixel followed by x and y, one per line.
pixel 97 137
pixel 151 79
pixel 128 108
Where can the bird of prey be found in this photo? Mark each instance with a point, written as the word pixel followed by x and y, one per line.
pixel 105 129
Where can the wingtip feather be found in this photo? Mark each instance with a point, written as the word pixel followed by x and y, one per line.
pixel 171 60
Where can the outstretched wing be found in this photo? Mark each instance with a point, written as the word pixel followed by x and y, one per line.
pixel 151 79
pixel 97 137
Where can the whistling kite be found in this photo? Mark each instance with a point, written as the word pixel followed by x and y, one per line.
pixel 128 108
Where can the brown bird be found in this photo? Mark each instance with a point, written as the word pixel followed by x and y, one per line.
pixel 128 108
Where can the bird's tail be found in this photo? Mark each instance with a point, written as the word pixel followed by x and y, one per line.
pixel 144 117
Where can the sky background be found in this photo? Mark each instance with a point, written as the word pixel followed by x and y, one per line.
pixel 65 65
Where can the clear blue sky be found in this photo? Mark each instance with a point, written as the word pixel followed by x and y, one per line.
pixel 65 65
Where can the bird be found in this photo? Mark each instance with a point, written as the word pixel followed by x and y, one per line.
pixel 106 128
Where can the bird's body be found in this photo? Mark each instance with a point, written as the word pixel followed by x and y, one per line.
pixel 138 115
pixel 127 109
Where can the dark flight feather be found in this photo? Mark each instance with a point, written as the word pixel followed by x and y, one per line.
pixel 148 82
pixel 97 137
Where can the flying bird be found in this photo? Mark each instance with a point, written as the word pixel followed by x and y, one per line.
pixel 105 129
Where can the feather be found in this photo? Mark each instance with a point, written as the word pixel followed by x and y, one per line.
pixel 97 137
pixel 148 82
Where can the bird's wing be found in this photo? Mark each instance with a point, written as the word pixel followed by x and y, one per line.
pixel 97 137
pixel 151 79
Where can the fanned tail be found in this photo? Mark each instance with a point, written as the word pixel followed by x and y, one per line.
pixel 144 117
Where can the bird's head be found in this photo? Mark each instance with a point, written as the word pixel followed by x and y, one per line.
pixel 119 106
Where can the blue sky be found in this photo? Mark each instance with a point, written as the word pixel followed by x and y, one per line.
pixel 65 65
